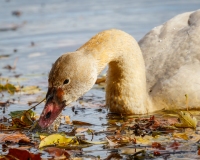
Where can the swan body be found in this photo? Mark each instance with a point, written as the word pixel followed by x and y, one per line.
pixel 172 59
pixel 137 83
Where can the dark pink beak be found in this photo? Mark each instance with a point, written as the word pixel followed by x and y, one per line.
pixel 53 107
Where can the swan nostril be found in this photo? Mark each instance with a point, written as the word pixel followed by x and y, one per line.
pixel 48 115
pixel 64 101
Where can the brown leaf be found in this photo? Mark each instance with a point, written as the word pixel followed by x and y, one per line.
pixel 9 67
pixel 2 126
pixel 175 145
pixel 14 137
pixel 157 146
pixel 198 152
pixel 57 152
pixel 156 153
pixel 16 13
pixel 114 156
pixel 80 130
pixel 172 121
pixel 81 123
pixel 15 153
pixel 3 104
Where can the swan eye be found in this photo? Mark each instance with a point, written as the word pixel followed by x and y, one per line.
pixel 66 81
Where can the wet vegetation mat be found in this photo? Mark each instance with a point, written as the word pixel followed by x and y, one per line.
pixel 86 130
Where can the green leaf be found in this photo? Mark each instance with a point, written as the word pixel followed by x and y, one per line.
pixel 22 118
pixel 18 114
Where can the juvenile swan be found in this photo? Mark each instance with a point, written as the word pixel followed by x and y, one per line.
pixel 171 54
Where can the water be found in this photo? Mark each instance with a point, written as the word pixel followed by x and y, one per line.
pixel 47 29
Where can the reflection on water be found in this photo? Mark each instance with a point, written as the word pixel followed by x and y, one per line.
pixel 46 29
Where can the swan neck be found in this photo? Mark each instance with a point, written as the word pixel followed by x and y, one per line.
pixel 126 79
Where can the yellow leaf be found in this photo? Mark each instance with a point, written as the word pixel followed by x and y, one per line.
pixel 42 137
pixel 186 120
pixel 181 135
pixel 58 140
pixel 67 119
pixel 93 142
pixel 101 80
pixel 30 89
pixel 8 87
pixel 146 139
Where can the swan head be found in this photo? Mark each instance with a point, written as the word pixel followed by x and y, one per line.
pixel 71 76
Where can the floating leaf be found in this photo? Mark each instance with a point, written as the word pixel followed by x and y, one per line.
pixel 156 153
pixel 58 152
pixel 156 145
pixel 186 120
pixel 101 80
pixel 19 114
pixel 92 142
pixel 4 56
pixel 22 118
pixel 143 140
pixel 3 104
pixel 80 130
pixel 8 87
pixel 58 140
pixel 111 143
pixel 67 119
pixel 2 127
pixel 126 150
pixel 15 154
pixel 14 137
pixel 30 89
pixel 81 123
pixel 195 137
pixel 181 135
pixel 175 145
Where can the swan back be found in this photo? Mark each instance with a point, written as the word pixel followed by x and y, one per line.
pixel 172 54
